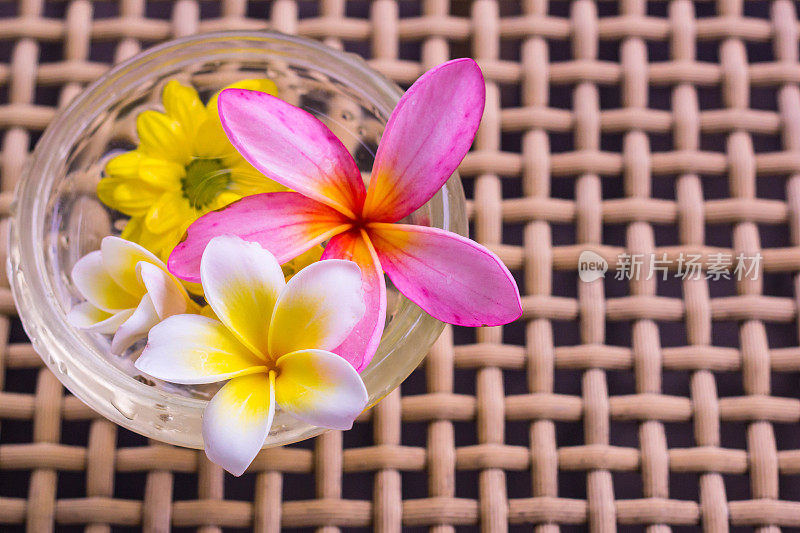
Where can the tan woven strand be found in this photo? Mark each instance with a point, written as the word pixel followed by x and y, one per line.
pixel 654 129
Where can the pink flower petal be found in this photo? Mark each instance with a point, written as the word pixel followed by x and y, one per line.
pixel 360 346
pixel 293 148
pixel 452 278
pixel 427 136
pixel 285 223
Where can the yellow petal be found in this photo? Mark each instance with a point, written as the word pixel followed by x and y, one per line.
pixel 246 180
pixel 162 136
pixel 237 421
pixel 211 141
pixel 130 196
pixel 167 213
pixel 124 165
pixel 161 173
pixel 183 104
pixel 319 388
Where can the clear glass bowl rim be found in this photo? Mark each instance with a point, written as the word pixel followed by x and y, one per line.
pixel 119 397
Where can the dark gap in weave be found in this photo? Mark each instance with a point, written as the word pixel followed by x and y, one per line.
pixel 71 484
pixel 360 48
pixel 517 431
pixel 13 483
pixel 676 382
pixel 359 436
pixel 512 233
pixel 612 186
pixel 627 485
pixel 611 142
pixel 103 53
pixel 560 97
pixel 466 432
pixel 567 381
pixel 518 484
pixel 105 9
pixel 620 382
pixel 672 333
pixel 656 51
pixel 159 9
pixel 209 9
pixel 511 141
pixel 565 283
pixel 572 484
pixel 720 235
pixel 680 434
pixel 779 284
pixel 783 335
pixel 610 97
pixel 771 187
pixel 130 486
pixel 356 486
pixel 660 97
pixel 608 50
pixel 772 237
pixel 615 234
pixel 409 8
pixel 185 485
pixel 759 52
pixel 763 142
pixel 75 432
pixel 298 486
pixel 618 333
pixel 467 484
pixel 735 489
pixel 357 9
pixel 514 333
pixel 54 10
pixel 47 95
pixel 414 484
pixel 510 50
pixel 765 97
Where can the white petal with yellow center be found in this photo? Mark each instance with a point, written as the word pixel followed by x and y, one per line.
pixel 242 281
pixel 136 327
pixel 318 309
pixel 320 388
pixel 237 421
pixel 195 349
pixel 87 317
pixel 98 287
pixel 168 296
pixel 119 260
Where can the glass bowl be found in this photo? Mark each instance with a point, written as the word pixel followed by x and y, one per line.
pixel 57 217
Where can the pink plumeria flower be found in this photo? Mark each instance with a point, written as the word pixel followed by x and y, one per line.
pixel 272 342
pixel 128 290
pixel 430 131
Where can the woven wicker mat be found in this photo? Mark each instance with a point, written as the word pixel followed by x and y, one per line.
pixel 667 127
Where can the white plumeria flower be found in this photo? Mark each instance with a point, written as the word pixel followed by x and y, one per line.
pixel 272 342
pixel 128 291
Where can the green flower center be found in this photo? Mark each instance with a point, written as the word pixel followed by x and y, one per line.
pixel 204 180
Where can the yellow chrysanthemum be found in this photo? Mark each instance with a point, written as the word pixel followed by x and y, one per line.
pixel 183 168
